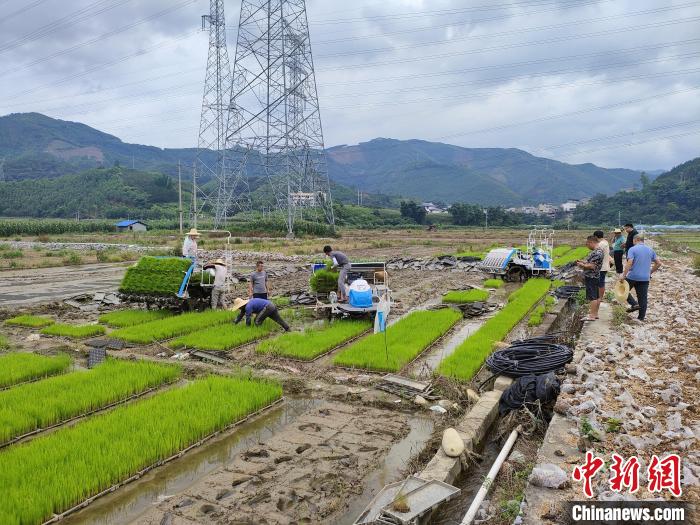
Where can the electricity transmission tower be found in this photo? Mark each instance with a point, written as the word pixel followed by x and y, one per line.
pixel 231 193
pixel 275 124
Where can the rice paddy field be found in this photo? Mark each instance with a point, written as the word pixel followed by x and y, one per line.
pixel 19 367
pixel 174 326
pixel 314 341
pixel 107 449
pixel 468 358
pixel 40 404
pixel 401 343
pixel 67 433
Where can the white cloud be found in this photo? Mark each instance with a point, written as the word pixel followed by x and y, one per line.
pixel 440 70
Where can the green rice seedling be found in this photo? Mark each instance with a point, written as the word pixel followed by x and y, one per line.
pixel 561 250
pixel 32 321
pixel 53 473
pixel 493 283
pixel 18 367
pixel 467 359
pixel 324 281
pixel 157 276
pixel 40 404
pixel 4 342
pixel 549 302
pixel 74 331
pixel 174 326
pixel 314 341
pixel 281 300
pixel 405 340
pixel 536 317
pixel 225 336
pixel 465 296
pixel 123 318
pixel 571 256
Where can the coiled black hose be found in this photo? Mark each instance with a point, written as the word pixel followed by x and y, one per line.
pixel 567 291
pixel 529 357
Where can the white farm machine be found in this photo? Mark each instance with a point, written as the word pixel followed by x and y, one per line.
pixel 517 264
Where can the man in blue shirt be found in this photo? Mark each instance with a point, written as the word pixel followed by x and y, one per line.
pixel 642 261
pixel 262 308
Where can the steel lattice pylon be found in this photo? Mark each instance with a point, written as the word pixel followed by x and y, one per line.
pixel 275 125
pixel 232 193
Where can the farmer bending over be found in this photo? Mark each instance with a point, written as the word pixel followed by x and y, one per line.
pixel 341 261
pixel 261 307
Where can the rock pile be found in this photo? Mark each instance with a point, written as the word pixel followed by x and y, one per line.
pixel 635 390
pixel 445 262
pixel 82 246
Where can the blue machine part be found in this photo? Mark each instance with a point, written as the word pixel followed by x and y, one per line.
pixel 317 266
pixel 186 280
pixel 360 294
pixel 507 259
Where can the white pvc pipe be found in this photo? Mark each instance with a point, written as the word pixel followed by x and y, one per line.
pixel 490 477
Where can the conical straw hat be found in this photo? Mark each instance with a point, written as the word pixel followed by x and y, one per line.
pixel 621 291
pixel 193 231
pixel 239 303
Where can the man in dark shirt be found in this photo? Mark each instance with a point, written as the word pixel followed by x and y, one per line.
pixel 591 273
pixel 340 261
pixel 262 308
pixel 631 232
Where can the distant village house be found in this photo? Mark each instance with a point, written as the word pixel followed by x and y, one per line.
pixel 131 226
pixel 429 207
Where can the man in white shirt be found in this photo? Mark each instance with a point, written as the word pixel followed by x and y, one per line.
pixel 605 246
pixel 189 247
pixel 218 270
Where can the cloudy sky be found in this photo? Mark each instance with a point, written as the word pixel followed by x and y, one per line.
pixel 614 82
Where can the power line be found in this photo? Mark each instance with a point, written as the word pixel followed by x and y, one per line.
pixel 5 18
pixel 637 143
pixel 502 47
pixel 568 114
pixel 620 135
pixel 518 64
pixel 102 37
pixel 66 21
pixel 512 32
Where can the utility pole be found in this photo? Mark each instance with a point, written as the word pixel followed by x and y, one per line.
pixel 194 195
pixel 619 221
pixel 486 213
pixel 179 194
pixel 2 169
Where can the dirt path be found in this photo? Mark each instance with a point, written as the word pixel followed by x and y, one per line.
pixel 41 285
pixel 305 474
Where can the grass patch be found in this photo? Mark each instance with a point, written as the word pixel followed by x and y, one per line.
pixel 55 472
pixel 493 283
pixel 174 326
pixel 537 316
pixel 405 340
pixel 571 256
pixel 32 406
pixel 22 366
pixel 313 342
pixel 12 254
pixel 123 318
pixel 73 331
pixel 32 321
pixel 465 296
pixel 4 342
pixel 469 253
pixel 471 354
pixel 619 315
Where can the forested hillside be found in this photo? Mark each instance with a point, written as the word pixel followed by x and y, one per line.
pixel 672 197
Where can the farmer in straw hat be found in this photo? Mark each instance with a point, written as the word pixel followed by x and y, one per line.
pixel 263 309
pixel 189 247
pixel 217 270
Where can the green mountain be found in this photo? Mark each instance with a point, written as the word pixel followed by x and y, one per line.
pixel 672 197
pixel 36 147
pixel 435 171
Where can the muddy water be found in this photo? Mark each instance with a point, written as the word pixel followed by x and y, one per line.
pixel 469 483
pixel 390 469
pixel 132 500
